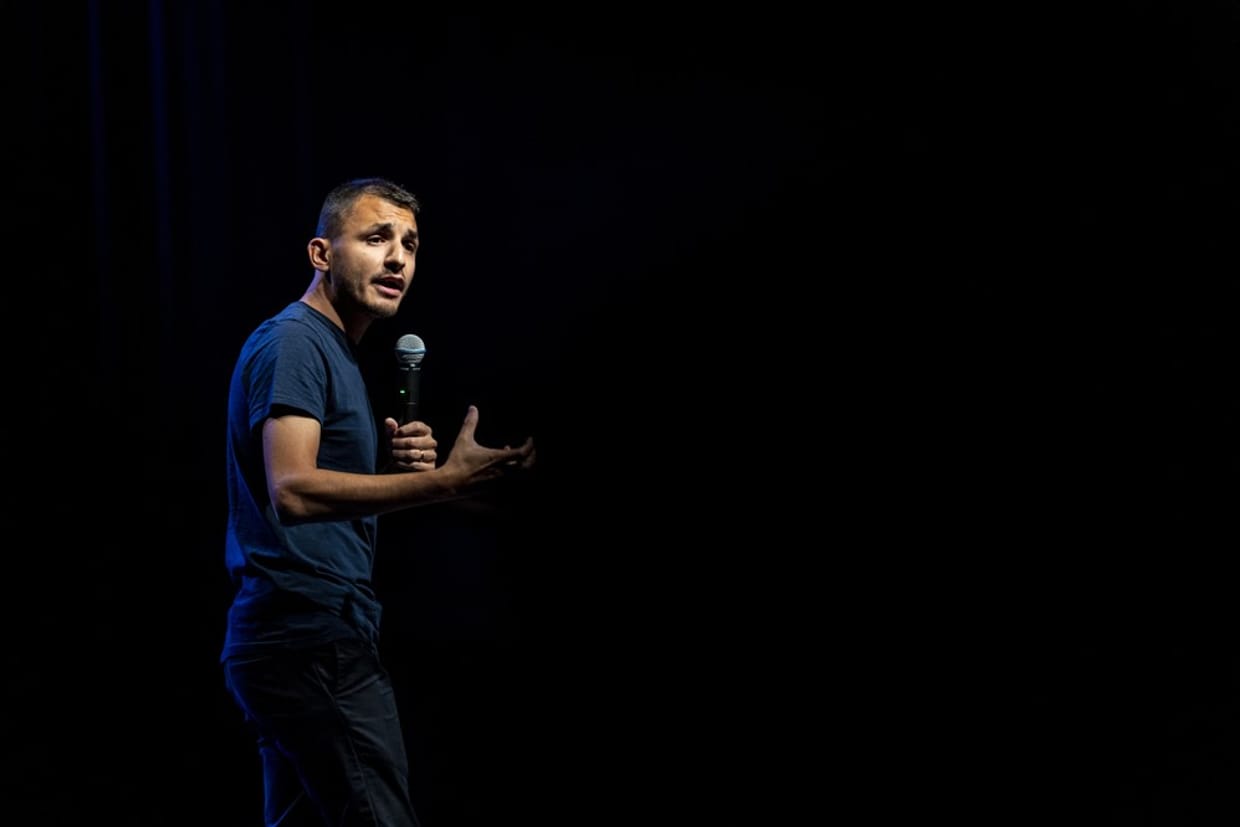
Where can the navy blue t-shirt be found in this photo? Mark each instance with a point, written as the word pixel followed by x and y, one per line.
pixel 310 582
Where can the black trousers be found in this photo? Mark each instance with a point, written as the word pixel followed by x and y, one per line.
pixel 329 735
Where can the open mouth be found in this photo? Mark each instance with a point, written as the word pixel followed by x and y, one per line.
pixel 391 287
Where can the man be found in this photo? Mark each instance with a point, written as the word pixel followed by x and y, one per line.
pixel 300 654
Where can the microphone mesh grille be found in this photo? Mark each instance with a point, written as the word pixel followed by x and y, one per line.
pixel 410 349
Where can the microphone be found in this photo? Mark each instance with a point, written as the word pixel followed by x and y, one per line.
pixel 410 350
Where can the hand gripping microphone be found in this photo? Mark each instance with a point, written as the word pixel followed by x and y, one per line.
pixel 409 352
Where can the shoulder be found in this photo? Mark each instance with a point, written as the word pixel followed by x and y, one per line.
pixel 296 323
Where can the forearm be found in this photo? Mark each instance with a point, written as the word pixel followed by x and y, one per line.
pixel 320 494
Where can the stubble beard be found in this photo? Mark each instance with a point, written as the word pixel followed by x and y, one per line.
pixel 375 307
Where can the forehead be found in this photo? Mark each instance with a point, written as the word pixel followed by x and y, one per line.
pixel 371 209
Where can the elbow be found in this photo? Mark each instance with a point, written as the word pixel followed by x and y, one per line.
pixel 290 507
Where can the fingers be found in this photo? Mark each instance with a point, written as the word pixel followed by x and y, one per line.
pixel 423 459
pixel 423 454
pixel 412 428
pixel 497 459
pixel 416 459
pixel 523 456
pixel 413 446
pixel 422 440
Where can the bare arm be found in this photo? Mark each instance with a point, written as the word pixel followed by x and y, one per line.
pixel 301 491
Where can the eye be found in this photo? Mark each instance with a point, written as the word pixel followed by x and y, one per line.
pixel 411 246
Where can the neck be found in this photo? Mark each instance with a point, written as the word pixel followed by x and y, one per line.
pixel 323 298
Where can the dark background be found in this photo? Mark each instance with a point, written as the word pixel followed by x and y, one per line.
pixel 879 362
pixel 615 203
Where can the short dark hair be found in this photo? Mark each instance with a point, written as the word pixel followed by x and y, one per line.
pixel 338 202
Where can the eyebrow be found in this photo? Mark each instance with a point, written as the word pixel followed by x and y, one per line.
pixel 389 228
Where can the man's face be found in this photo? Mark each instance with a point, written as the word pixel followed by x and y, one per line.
pixel 373 257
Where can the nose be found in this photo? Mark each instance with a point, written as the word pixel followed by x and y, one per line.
pixel 396 257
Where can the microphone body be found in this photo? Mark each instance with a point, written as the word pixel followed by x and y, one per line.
pixel 410 350
pixel 410 379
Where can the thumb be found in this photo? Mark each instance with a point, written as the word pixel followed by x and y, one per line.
pixel 391 425
pixel 470 424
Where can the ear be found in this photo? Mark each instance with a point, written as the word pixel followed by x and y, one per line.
pixel 320 253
